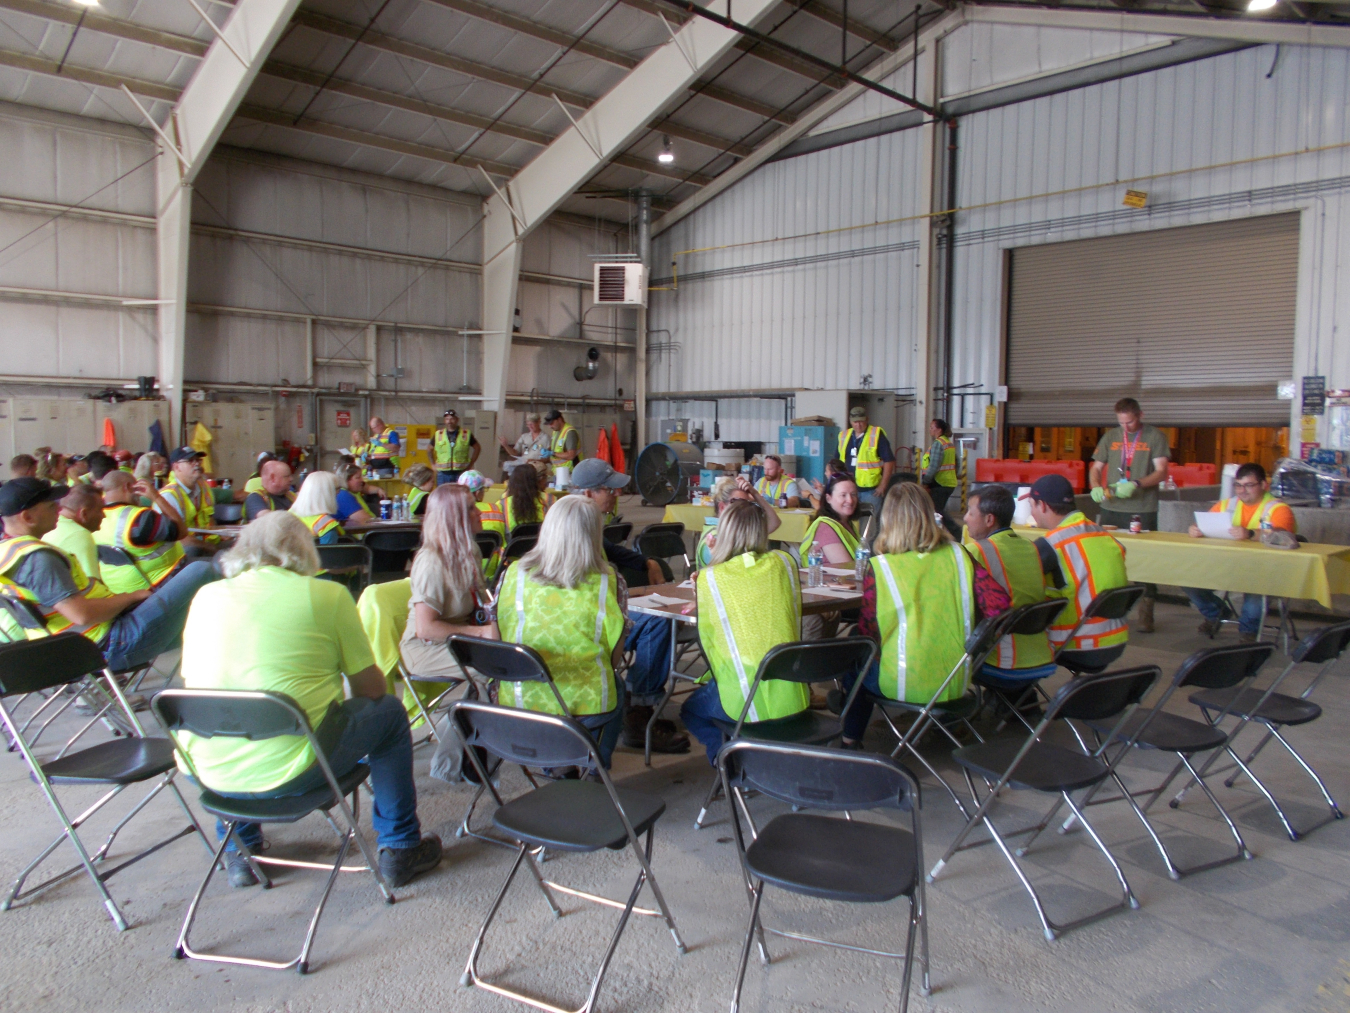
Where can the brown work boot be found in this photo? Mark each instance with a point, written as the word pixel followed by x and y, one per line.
pixel 1209 627
pixel 1143 616
pixel 666 738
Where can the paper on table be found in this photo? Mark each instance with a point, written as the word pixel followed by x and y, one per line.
pixel 1213 525
pixel 1022 511
pixel 832 592
pixel 839 571
pixel 655 601
pixel 688 583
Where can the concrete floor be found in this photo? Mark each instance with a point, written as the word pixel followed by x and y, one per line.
pixel 1272 934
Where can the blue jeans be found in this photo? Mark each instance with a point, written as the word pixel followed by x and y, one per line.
pixel 448 477
pixel 651 639
pixel 701 709
pixel 1211 607
pixel 156 624
pixel 377 731
pixel 605 728
pixel 859 716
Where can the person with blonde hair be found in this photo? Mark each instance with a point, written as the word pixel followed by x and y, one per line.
pixel 421 480
pixel 271 626
pixel 565 601
pixel 727 490
pixel 52 466
pixel 316 505
pixel 360 447
pixel 922 595
pixel 749 601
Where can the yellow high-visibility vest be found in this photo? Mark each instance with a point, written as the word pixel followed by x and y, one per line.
pixel 453 455
pixel 1016 565
pixel 154 564
pixel 1092 562
pixel 946 474
pixel 925 609
pixel 13 552
pixel 867 467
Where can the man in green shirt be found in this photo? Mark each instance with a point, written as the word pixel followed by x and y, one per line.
pixel 81 515
pixel 1129 464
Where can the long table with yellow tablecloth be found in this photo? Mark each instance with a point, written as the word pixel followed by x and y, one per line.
pixel 397 487
pixel 792 530
pixel 1311 571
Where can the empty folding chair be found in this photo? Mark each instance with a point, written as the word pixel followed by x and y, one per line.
pixel 564 816
pixel 32 666
pixel 527 529
pixel 940 713
pixel 663 541
pixel 391 551
pixel 807 853
pixel 1056 770
pixel 348 563
pixel 806 662
pixel 1275 712
pixel 256 715
pixel 1114 603
pixel 1219 669
pixel 618 532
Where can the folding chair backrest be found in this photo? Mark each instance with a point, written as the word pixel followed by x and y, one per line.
pixel 527 529
pixel 345 557
pixel 229 513
pixel 488 542
pixel 517 547
pixel 493 659
pixel 236 714
pixel 393 541
pixel 818 660
pixel 25 613
pixel 1114 603
pixel 1037 617
pixel 528 738
pixel 819 778
pixel 985 636
pixel 29 666
pixel 1223 667
pixel 1323 645
pixel 618 532
pixel 1103 696
pixel 661 541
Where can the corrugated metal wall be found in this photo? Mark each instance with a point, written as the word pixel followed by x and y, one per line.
pixel 822 324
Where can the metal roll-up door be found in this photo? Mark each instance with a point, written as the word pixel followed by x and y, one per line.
pixel 1195 322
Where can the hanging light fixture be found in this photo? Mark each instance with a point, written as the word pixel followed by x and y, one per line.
pixel 667 156
pixel 1259 5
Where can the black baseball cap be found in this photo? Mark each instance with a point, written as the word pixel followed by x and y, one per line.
pixel 19 494
pixel 1053 491
pixel 185 454
pixel 553 415
pixel 449 412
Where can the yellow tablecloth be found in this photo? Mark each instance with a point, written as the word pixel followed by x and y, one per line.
pixel 1311 571
pixel 397 487
pixel 792 530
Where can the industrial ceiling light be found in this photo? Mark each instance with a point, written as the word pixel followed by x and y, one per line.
pixel 86 3
pixel 667 156
pixel 1259 5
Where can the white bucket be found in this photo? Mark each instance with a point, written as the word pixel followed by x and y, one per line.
pixel 562 476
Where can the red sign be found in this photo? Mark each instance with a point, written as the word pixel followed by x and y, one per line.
pixel 299 416
pixel 344 419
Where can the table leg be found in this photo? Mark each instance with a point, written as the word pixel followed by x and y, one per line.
pixel 670 690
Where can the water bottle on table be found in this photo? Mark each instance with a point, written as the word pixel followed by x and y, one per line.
pixel 815 560
pixel 860 560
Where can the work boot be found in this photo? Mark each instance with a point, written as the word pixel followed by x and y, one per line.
pixel 666 738
pixel 399 865
pixel 240 872
pixel 1143 616
pixel 1246 638
pixel 1209 627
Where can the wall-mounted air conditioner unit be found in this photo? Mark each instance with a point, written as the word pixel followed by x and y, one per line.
pixel 622 284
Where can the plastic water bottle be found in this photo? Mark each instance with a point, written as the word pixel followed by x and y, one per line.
pixel 815 558
pixel 403 508
pixel 860 558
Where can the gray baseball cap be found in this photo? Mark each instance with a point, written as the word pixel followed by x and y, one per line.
pixel 594 473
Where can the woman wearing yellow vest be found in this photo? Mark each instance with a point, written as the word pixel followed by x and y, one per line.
pixel 566 602
pixel 360 448
pixel 833 531
pixel 420 480
pixel 749 601
pixel 316 505
pixel 726 491
pixel 523 502
pixel 938 466
pixel 922 595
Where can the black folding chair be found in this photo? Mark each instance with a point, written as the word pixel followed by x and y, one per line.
pixel 1276 711
pixel 804 662
pixel 835 859
pixel 1217 669
pixel 527 529
pixel 488 542
pixel 619 532
pixel 391 551
pixel 228 513
pixel 1114 603
pixel 663 541
pixel 575 816
pixel 517 547
pixel 349 563
pixel 257 716
pixel 1019 695
pixel 941 714
pixel 66 660
pixel 1057 770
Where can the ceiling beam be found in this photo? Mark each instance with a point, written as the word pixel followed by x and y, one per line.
pixel 98 22
pixel 85 75
pixel 1257 30
pixel 816 8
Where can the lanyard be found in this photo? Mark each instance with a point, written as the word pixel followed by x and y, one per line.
pixel 1127 449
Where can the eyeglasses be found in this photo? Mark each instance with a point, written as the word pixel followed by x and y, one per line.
pixel 1246 485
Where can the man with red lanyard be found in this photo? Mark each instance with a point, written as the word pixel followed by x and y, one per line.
pixel 1129 464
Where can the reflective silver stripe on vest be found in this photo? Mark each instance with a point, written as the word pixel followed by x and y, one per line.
pixel 731 644
pixel 520 628
pixel 901 629
pixel 599 643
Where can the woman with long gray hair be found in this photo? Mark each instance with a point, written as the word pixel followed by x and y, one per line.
pixel 564 600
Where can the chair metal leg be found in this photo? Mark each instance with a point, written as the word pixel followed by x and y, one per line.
pixel 757 893
pixel 708 801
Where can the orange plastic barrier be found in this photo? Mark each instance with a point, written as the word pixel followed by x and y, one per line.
pixel 1193 474
pixel 1026 472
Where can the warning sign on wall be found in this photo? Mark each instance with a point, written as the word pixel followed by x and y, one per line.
pixel 344 419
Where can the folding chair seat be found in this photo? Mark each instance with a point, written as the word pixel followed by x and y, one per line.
pixel 32 666
pixel 573 816
pixel 1222 670
pixel 844 860
pixel 1046 767
pixel 1274 712
pixel 257 716
pixel 805 662
pixel 1114 603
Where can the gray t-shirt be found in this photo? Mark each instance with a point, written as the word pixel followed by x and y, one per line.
pixel 48 576
pixel 1142 449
